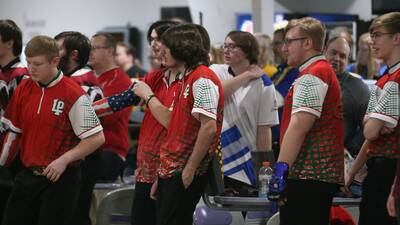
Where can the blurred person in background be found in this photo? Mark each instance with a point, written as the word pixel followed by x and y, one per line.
pixel 265 54
pixel 282 79
pixel 355 93
pixel 366 65
pixel 112 81
pixel 125 58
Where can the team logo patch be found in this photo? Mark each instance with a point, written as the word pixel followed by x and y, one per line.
pixel 58 107
pixel 186 93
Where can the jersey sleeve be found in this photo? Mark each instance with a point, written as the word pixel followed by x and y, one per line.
pixel 12 118
pixel 83 118
pixel 386 107
pixel 206 96
pixel 268 110
pixel 12 122
pixel 309 95
pixel 220 71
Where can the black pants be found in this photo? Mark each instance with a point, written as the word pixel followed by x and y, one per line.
pixel 90 172
pixel 375 191
pixel 143 207
pixel 36 200
pixel 175 204
pixel 111 168
pixel 308 203
pixel 7 176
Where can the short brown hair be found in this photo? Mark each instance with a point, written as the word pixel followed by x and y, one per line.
pixel 310 27
pixel 389 21
pixel 42 45
pixel 247 42
pixel 129 49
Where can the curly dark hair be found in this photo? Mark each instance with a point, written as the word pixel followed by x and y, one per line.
pixel 160 27
pixel 186 45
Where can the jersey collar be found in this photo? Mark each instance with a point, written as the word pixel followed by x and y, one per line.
pixel 10 64
pixel 310 61
pixel 394 68
pixel 54 81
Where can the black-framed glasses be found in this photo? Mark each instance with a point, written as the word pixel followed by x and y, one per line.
pixel 378 34
pixel 228 46
pixel 288 41
pixel 151 39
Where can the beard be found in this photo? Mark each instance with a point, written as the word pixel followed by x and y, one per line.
pixel 63 65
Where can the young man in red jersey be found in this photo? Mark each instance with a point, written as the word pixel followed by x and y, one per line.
pixel 56 129
pixel 12 72
pixel 152 133
pixel 194 126
pixel 74 49
pixel 381 127
pixel 112 80
pixel 310 164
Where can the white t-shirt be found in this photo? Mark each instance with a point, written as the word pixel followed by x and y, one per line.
pixel 252 105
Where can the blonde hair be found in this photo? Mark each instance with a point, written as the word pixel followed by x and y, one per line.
pixel 216 54
pixel 371 65
pixel 310 27
pixel 389 21
pixel 42 45
pixel 266 54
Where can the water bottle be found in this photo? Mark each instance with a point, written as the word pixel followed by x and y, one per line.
pixel 264 176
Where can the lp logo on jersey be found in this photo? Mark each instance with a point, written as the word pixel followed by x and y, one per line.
pixel 187 90
pixel 58 107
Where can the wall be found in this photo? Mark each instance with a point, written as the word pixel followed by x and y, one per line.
pixel 50 17
pixel 53 16
pixel 362 8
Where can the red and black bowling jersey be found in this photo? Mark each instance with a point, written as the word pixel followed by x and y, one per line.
pixel 152 133
pixel 50 120
pixel 115 125
pixel 86 78
pixel 199 92
pixel 10 76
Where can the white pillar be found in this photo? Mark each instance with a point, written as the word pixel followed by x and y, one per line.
pixel 263 16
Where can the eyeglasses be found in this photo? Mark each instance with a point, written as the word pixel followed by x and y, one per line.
pixel 151 39
pixel 276 43
pixel 93 48
pixel 378 34
pixel 288 41
pixel 229 46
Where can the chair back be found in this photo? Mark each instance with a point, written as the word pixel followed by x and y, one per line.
pixel 115 208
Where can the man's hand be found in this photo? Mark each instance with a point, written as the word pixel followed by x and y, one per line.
pixel 278 182
pixel 55 169
pixel 254 72
pixel 390 205
pixel 187 177
pixel 142 90
pixel 153 190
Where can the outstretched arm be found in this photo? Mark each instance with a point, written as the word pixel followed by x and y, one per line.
pixel 231 85
pixel 115 103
